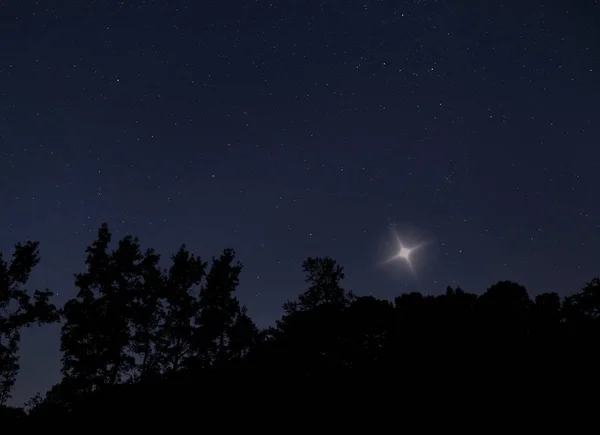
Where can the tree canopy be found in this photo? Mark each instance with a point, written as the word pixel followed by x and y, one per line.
pixel 138 332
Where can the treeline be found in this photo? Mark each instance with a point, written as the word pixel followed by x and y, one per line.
pixel 137 333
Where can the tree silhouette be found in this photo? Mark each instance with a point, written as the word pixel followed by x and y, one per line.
pixel 95 333
pixel 242 334
pixel 139 334
pixel 18 309
pixel 585 304
pixel 177 338
pixel 324 277
pixel 304 338
pixel 504 311
pixel 225 330
pixel 146 313
pixel 365 333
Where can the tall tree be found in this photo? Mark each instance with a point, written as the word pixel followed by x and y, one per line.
pixel 311 324
pixel 324 277
pixel 146 314
pixel 18 309
pixel 96 331
pixel 224 327
pixel 181 304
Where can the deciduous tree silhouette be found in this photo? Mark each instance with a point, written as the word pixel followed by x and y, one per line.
pixel 504 315
pixel 146 313
pixel 18 309
pixel 586 303
pixel 302 340
pixel 137 334
pixel 177 338
pixel 225 330
pixel 324 277
pixel 96 330
pixel 130 320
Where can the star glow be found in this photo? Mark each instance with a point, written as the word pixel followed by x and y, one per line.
pixel 404 252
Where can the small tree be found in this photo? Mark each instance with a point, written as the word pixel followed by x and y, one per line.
pixel 324 277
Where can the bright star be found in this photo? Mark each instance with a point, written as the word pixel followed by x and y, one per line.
pixel 404 252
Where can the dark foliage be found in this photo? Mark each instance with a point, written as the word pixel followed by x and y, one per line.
pixel 140 341
pixel 17 310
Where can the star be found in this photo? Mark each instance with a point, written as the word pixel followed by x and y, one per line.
pixel 404 252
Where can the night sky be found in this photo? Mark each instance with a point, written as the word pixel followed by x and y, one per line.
pixel 287 129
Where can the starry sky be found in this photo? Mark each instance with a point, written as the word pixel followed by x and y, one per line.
pixel 287 129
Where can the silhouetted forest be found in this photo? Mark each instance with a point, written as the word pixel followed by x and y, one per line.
pixel 139 339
